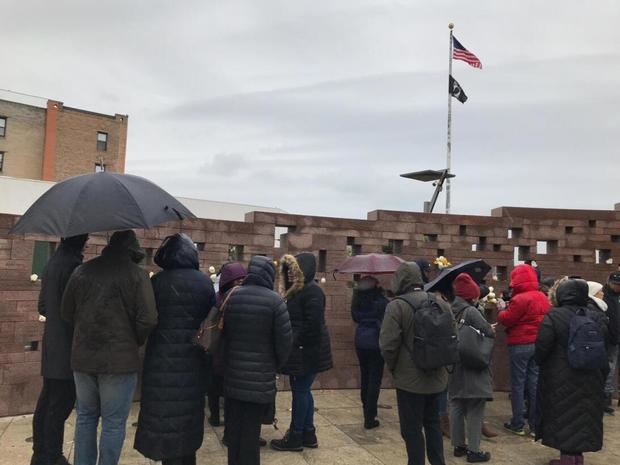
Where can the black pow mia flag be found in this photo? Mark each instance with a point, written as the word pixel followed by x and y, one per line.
pixel 455 89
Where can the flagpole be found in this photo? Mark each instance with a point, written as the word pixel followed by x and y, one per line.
pixel 449 145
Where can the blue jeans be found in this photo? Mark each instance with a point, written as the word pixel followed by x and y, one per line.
pixel 302 416
pixel 523 374
pixel 108 397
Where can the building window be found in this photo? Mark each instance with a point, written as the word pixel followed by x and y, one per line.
pixel 102 141
pixel 2 126
pixel 99 167
pixel 1 161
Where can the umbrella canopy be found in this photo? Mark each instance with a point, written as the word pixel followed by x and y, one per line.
pixel 374 263
pixel 100 202
pixel 477 269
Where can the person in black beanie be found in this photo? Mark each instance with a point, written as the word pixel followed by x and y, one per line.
pixel 58 394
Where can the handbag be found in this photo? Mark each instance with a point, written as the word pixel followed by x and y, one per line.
pixel 209 336
pixel 475 348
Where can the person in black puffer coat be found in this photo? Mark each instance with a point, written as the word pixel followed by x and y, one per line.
pixel 258 337
pixel 368 310
pixel 571 401
pixel 311 353
pixel 171 421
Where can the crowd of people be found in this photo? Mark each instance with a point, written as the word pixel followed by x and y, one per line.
pixel 562 336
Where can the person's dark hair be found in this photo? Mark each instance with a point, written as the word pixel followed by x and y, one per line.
pixel 425 268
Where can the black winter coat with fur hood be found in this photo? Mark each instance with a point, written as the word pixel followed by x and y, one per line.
pixel 305 301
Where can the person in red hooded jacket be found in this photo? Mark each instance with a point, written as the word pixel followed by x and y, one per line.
pixel 522 318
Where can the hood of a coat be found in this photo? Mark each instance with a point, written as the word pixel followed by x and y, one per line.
pixel 125 243
pixel 572 292
pixel 177 251
pixel 289 288
pixel 307 263
pixel 523 279
pixel 407 278
pixel 261 272
pixel 74 243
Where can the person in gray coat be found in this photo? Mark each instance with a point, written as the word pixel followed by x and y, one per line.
pixel 417 390
pixel 468 388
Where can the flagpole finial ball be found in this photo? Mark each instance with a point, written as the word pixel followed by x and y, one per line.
pixel 451 26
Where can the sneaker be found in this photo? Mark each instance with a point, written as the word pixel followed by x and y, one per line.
pixel 609 410
pixel 291 442
pixel 262 442
pixel 370 424
pixel 460 451
pixel 518 430
pixel 478 457
pixel 309 439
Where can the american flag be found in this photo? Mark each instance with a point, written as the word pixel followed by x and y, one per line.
pixel 461 53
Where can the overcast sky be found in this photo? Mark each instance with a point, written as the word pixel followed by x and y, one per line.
pixel 316 107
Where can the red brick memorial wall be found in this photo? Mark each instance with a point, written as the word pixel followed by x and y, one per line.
pixel 563 242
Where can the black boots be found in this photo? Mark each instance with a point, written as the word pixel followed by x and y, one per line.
pixel 310 440
pixel 370 424
pixel 478 457
pixel 291 442
pixel 609 410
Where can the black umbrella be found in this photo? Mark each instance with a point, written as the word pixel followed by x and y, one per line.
pixel 100 202
pixel 477 269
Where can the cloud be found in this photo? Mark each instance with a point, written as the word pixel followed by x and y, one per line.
pixel 317 108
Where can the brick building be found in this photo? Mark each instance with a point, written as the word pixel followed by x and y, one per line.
pixel 572 242
pixel 53 142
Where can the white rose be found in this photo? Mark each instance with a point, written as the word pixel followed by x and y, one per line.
pixel 42 319
pixel 34 277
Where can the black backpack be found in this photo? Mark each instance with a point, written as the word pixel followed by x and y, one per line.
pixel 586 342
pixel 435 343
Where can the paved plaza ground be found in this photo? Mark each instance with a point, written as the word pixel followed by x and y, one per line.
pixel 342 438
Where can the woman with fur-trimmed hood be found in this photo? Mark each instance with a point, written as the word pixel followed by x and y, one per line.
pixel 311 352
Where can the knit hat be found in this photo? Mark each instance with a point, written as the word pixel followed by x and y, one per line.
pixel 614 277
pixel 230 272
pixel 593 289
pixel 465 287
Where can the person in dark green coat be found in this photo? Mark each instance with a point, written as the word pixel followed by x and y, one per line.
pixel 468 388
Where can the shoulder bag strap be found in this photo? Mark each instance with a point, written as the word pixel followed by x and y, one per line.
pixel 223 307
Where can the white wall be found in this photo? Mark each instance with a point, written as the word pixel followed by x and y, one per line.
pixel 16 196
